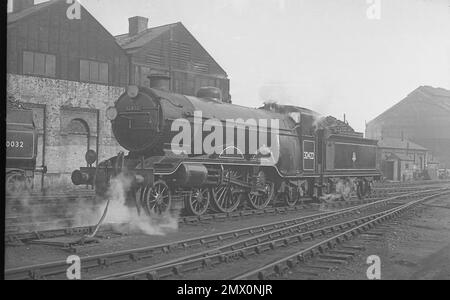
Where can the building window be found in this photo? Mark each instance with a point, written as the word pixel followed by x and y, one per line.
pixel 94 71
pixel 39 64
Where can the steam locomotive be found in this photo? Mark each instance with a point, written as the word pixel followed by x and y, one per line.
pixel 259 164
pixel 21 148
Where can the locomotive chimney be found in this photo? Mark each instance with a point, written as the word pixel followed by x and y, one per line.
pixel 137 25
pixel 160 82
pixel 19 5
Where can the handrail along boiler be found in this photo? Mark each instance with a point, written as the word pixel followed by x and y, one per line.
pixel 313 159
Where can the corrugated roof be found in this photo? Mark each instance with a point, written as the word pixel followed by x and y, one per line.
pixel 394 143
pixel 14 17
pixel 141 39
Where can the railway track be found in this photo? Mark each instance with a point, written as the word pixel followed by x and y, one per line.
pixel 409 184
pixel 216 248
pixel 16 238
pixel 283 266
pixel 16 235
pixel 217 260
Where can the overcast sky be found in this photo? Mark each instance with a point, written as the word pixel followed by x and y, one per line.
pixel 325 55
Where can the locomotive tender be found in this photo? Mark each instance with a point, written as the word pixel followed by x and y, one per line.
pixel 311 159
pixel 21 148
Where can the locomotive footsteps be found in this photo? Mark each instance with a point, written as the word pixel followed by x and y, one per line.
pixel 232 137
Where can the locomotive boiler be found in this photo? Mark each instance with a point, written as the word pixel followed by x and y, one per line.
pixel 200 154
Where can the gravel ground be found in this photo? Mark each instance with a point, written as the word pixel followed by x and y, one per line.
pixel 416 246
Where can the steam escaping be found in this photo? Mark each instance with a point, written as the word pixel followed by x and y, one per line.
pixel 125 218
pixel 319 122
pixel 27 213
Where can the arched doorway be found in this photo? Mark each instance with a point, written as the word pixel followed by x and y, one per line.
pixel 77 144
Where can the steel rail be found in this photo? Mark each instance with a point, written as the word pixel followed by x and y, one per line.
pixel 57 268
pixel 13 235
pixel 218 258
pixel 280 266
pixel 102 260
pixel 200 257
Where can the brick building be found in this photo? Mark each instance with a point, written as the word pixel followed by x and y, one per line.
pixel 401 160
pixel 69 69
pixel 423 117
pixel 172 50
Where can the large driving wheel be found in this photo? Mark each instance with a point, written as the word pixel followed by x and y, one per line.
pixel 263 193
pixel 198 202
pixel 226 198
pixel 157 199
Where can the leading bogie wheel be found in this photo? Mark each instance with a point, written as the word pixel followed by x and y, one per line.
pixel 198 202
pixel 157 199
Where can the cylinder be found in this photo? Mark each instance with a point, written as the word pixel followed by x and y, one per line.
pixel 191 176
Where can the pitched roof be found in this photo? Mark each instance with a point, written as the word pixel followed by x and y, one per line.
pixel 129 42
pixel 140 40
pixel 14 17
pixel 394 143
pixel 437 96
pixel 433 97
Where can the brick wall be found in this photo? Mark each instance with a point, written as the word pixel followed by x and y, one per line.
pixel 66 101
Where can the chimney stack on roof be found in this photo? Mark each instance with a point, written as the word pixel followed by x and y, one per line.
pixel 19 5
pixel 137 25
